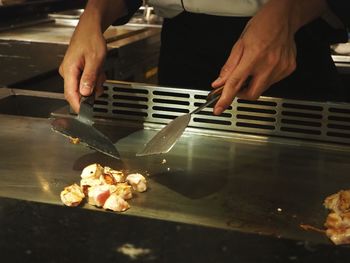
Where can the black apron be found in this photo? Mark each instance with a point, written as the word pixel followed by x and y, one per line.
pixel 194 47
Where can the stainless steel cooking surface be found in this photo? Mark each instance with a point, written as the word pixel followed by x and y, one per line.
pixel 264 184
pixel 132 51
pixel 60 31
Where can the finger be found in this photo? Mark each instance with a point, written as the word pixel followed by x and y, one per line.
pixel 265 74
pixel 60 70
pixel 259 84
pixel 292 60
pixel 231 88
pixel 99 84
pixel 89 77
pixel 234 83
pixel 230 65
pixel 71 88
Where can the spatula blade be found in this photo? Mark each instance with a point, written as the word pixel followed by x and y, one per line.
pixel 88 135
pixel 166 138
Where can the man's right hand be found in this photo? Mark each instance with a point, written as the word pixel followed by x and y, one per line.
pixel 82 66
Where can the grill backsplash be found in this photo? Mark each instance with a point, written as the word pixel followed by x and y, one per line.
pixel 322 121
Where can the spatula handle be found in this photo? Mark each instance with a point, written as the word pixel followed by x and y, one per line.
pixel 212 97
pixel 215 94
pixel 86 111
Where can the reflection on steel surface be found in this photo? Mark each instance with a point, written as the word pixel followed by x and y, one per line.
pixel 86 133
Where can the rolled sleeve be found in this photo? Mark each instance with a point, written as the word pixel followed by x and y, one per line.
pixel 132 6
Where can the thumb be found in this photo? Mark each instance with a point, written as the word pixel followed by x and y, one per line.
pixel 89 78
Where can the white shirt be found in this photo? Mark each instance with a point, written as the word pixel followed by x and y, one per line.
pixel 171 8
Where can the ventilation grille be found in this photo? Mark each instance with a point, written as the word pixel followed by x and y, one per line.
pixel 268 116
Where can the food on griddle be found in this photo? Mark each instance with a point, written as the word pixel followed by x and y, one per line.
pixel 118 176
pixel 116 203
pixel 98 195
pixel 338 228
pixel 339 202
pixel 72 195
pixel 123 190
pixel 90 182
pixel 137 181
pixel 104 187
pixel 74 140
pixel 92 171
pixel 313 228
pixel 338 220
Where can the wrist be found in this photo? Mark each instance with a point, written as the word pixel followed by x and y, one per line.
pixel 103 13
pixel 302 12
pixel 92 18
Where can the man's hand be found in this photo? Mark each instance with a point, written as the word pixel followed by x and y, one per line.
pixel 82 66
pixel 266 51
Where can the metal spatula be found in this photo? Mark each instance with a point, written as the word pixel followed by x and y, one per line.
pixel 81 127
pixel 166 138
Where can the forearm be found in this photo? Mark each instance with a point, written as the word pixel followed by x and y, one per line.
pixel 305 11
pixel 103 13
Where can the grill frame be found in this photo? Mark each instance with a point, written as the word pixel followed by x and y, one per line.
pixel 268 116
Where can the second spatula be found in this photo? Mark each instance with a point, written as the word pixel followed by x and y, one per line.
pixel 166 138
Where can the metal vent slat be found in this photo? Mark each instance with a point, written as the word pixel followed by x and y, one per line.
pixel 254 106
pixel 167 113
pixel 305 127
pixel 255 122
pixel 301 119
pixel 257 114
pixel 323 121
pixel 127 108
pixel 341 115
pixel 335 131
pixel 127 116
pixel 339 123
pixel 130 101
pixel 172 106
pixel 301 114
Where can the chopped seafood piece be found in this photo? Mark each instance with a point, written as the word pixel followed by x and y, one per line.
pixel 98 195
pixel 137 181
pixel 123 190
pixel 338 228
pixel 118 176
pixel 107 179
pixel 90 182
pixel 339 237
pixel 104 187
pixel 338 221
pixel 74 140
pixel 339 202
pixel 116 203
pixel 92 171
pixel 72 195
pixel 86 183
